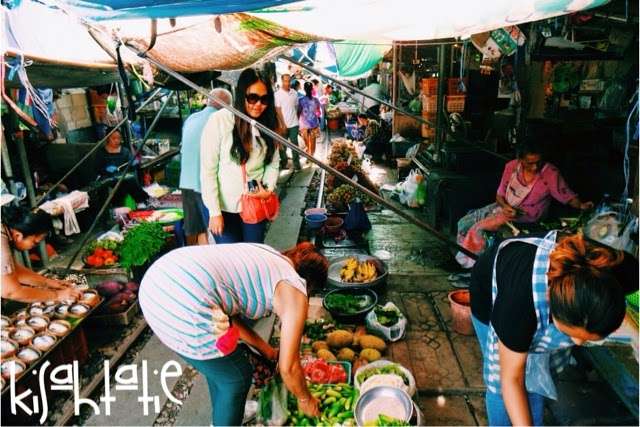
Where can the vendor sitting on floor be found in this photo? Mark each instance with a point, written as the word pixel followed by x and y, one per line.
pixel 373 136
pixel 528 184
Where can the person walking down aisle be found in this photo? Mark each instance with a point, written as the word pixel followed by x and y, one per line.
pixel 525 192
pixel 532 299
pixel 309 107
pixel 227 146
pixel 22 230
pixel 196 216
pixel 194 299
pixel 287 109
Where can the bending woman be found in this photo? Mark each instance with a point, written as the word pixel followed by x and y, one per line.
pixel 531 299
pixel 194 299
pixel 228 144
pixel 22 229
pixel 524 195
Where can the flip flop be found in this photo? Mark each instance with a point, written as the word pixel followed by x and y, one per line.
pixel 460 285
pixel 458 276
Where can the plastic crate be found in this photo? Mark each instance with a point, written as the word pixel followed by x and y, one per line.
pixel 453 85
pixel 172 174
pixel 429 104
pixel 428 131
pixel 455 103
pixel 430 86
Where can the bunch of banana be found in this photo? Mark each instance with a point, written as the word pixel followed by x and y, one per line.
pixel 356 272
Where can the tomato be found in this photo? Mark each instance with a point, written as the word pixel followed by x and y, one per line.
pixel 115 257
pixel 318 376
pixel 99 252
pixel 109 261
pixel 107 254
pixel 91 260
pixel 98 261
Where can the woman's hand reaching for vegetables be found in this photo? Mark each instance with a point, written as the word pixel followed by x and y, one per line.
pixel 310 406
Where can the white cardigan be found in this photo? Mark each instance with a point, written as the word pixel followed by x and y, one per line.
pixel 220 176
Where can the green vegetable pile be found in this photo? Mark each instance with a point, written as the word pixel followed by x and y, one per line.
pixel 384 420
pixel 336 406
pixel 317 330
pixel 393 369
pixel 141 243
pixel 386 317
pixel 347 303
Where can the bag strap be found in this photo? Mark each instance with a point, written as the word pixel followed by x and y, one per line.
pixel 244 173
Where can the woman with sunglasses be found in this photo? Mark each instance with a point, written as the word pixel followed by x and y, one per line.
pixel 22 229
pixel 524 195
pixel 227 145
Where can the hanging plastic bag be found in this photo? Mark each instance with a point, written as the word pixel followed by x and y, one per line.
pixel 538 376
pixel 415 105
pixel 386 314
pixel 357 218
pixel 272 408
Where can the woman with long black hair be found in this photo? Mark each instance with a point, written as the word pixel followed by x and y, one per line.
pixel 227 145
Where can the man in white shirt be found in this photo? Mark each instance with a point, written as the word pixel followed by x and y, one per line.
pixel 287 109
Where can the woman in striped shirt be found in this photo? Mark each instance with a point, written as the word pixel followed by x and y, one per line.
pixel 195 297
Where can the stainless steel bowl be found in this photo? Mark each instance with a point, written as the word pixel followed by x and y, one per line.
pixel 378 400
pixel 337 263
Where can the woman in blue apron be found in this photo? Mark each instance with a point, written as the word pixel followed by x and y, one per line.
pixel 532 299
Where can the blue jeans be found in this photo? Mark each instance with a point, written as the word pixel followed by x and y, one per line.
pixel 292 135
pixel 229 380
pixel 496 411
pixel 236 230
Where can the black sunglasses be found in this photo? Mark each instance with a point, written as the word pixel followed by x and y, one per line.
pixel 253 98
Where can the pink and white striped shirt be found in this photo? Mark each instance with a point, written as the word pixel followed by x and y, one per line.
pixel 181 290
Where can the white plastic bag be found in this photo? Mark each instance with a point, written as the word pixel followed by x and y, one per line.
pixel 410 193
pixel 624 241
pixel 604 227
pixel 389 333
pixel 360 148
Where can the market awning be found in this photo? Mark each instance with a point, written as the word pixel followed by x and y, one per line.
pixel 99 10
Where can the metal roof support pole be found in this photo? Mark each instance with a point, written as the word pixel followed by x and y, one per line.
pixel 31 194
pixel 394 67
pixel 8 173
pixel 312 159
pixel 441 105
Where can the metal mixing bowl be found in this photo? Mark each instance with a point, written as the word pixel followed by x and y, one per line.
pixel 369 405
pixel 337 263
